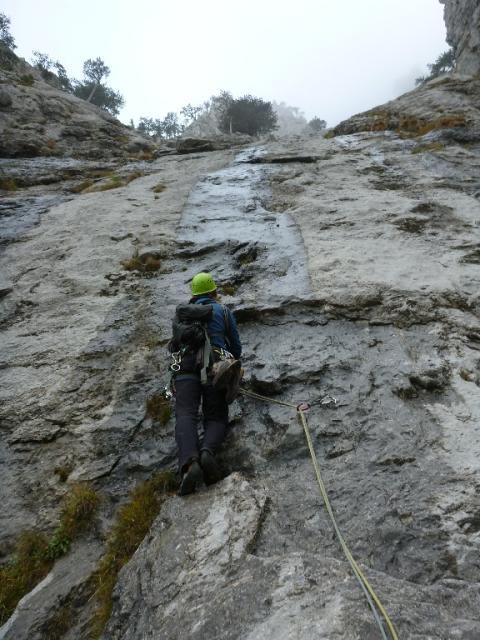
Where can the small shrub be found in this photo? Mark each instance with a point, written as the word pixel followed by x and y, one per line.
pixel 145 263
pixel 159 188
pixel 58 545
pixel 329 135
pixel 133 522
pixel 51 144
pixel 159 409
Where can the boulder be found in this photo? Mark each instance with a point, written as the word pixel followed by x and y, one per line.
pixel 193 145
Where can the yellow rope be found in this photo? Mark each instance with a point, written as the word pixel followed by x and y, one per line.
pixel 369 591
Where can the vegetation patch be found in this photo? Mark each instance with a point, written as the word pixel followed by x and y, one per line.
pixel 159 188
pixel 78 512
pixel 428 148
pixel 30 565
pixel 133 522
pixel 27 80
pixel 228 289
pixel 81 186
pixel 410 126
pixel 34 554
pixel 7 184
pixel 159 409
pixel 146 263
pixel 114 182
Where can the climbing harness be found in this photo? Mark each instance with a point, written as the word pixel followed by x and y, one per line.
pixel 373 600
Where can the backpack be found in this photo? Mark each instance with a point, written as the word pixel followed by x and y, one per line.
pixel 189 329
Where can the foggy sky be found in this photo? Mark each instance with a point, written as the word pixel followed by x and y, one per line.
pixel 330 58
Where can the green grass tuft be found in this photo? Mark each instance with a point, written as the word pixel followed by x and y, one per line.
pixel 133 522
pixel 30 565
pixel 79 508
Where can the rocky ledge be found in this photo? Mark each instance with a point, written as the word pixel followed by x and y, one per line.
pixel 37 119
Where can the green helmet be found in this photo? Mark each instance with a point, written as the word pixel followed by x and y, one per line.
pixel 203 283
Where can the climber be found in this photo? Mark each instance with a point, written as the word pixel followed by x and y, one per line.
pixel 204 332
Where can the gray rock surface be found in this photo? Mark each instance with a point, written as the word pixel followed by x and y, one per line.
pixel 353 275
pixel 462 18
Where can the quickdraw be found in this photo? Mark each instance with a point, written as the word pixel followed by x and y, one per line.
pixel 177 359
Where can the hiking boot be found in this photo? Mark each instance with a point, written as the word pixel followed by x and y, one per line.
pixel 211 470
pixel 190 479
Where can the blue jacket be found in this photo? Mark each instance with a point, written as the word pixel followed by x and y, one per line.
pixel 219 335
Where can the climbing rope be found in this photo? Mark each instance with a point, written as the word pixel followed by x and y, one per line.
pixel 373 600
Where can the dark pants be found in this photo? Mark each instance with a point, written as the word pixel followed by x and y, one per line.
pixel 189 393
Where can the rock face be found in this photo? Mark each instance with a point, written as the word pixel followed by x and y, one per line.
pixel 447 106
pixel 353 275
pixel 352 266
pixel 37 119
pixel 213 143
pixel 462 18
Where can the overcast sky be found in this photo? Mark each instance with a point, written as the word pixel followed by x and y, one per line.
pixel 330 58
